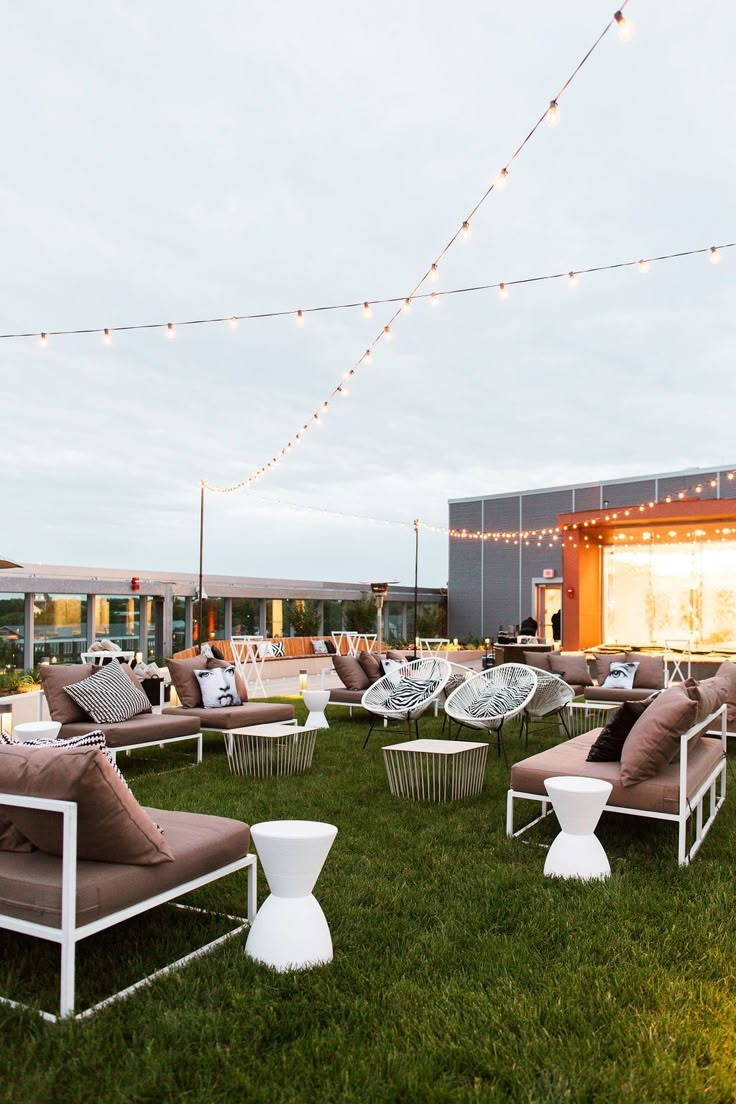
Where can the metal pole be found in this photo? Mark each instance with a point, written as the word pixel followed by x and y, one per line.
pixel 201 562
pixel 416 580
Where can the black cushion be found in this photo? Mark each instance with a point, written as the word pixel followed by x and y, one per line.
pixel 216 653
pixel 331 649
pixel 607 748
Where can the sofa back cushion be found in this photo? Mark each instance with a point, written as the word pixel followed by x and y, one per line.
pixel 603 661
pixel 54 677
pixel 184 680
pixel 655 738
pixel 540 660
pixel 111 825
pixel 371 664
pixel 650 672
pixel 400 657
pixel 350 673
pixel 571 666
pixel 708 695
pixel 109 696
pixel 726 674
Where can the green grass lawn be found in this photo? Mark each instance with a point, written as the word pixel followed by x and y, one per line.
pixel 460 972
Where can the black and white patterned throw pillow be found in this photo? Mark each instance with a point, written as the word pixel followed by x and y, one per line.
pixel 496 700
pixel 410 692
pixel 109 696
pixel 277 649
pixel 217 686
pixel 319 647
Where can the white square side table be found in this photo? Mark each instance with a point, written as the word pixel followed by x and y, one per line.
pixel 268 749
pixel 435 770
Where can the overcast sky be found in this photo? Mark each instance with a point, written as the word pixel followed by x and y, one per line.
pixel 182 160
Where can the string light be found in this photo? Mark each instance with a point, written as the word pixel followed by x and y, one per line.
pixel 643 266
pixel 572 280
pixel 625 26
pixel 466 231
pixel 553 114
pixel 502 291
pixel 406 306
pixel 43 342
pixel 367 312
pixel 367 358
pixel 715 256
pixel 434 299
pixel 234 323
pixel 434 271
pixel 501 179
pixel 300 318
pixel 106 337
pixel 387 333
pixel 170 331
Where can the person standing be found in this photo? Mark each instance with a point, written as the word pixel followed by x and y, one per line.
pixel 557 626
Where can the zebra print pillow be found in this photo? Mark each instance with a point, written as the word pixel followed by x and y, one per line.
pixel 109 696
pixel 496 700
pixel 410 692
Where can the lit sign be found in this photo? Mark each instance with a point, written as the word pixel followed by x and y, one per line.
pixel 548 573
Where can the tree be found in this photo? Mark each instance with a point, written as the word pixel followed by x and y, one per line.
pixel 360 615
pixel 429 622
pixel 304 617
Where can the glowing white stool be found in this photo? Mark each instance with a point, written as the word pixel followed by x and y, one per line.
pixel 36 730
pixel 316 702
pixel 290 931
pixel 576 852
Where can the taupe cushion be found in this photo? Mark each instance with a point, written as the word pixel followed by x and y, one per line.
pixel 143 729
pixel 400 657
pixel 371 664
pixel 350 673
pixel 11 839
pixel 603 661
pixel 614 694
pixel 184 679
pixel 654 740
pixel 346 697
pixel 111 825
pixel 540 660
pixel 571 666
pixel 30 885
pixel 726 674
pixel 708 695
pixel 657 795
pixel 236 716
pixel 650 672
pixel 54 677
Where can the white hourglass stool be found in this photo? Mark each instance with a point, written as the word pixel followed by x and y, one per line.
pixel 290 931
pixel 576 852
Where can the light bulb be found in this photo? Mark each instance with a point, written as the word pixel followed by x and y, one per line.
pixel 715 256
pixel 406 307
pixel 643 265
pixel 502 292
pixel 106 336
pixel 233 323
pixel 466 231
pixel 367 312
pixel 572 280
pixel 502 178
pixel 170 331
pixel 387 333
pixel 43 341
pixel 323 408
pixel 434 298
pixel 434 272
pixel 625 26
pixel 343 390
pixel 553 114
pixel 367 356
pixel 300 318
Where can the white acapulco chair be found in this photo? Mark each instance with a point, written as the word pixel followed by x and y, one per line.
pixel 404 693
pixel 489 699
pixel 459 674
pixel 551 697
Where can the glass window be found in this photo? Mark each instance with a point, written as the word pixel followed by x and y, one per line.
pixel 11 629
pixel 178 625
pixel 59 627
pixel 213 614
pixel 246 616
pixel 394 623
pixel 333 615
pixel 276 614
pixel 118 619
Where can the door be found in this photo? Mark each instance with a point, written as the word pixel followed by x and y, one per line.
pixel 547 601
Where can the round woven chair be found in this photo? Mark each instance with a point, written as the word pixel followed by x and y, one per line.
pixel 552 696
pixel 489 699
pixel 405 693
pixel 459 674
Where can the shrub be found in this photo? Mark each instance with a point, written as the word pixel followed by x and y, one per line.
pixel 360 616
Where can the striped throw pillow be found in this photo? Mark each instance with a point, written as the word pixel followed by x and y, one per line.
pixel 109 696
pixel 410 692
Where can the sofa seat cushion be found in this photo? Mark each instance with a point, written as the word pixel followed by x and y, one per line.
pixel 615 694
pixel 143 729
pixel 235 716
pixel 346 697
pixel 656 795
pixel 30 889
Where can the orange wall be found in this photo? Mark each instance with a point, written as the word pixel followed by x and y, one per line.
pixel 581 594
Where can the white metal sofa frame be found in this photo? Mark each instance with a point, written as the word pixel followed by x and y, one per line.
pixel 67 935
pixel 713 787
pixel 127 748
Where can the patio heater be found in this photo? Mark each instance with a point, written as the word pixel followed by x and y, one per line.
pixel 380 590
